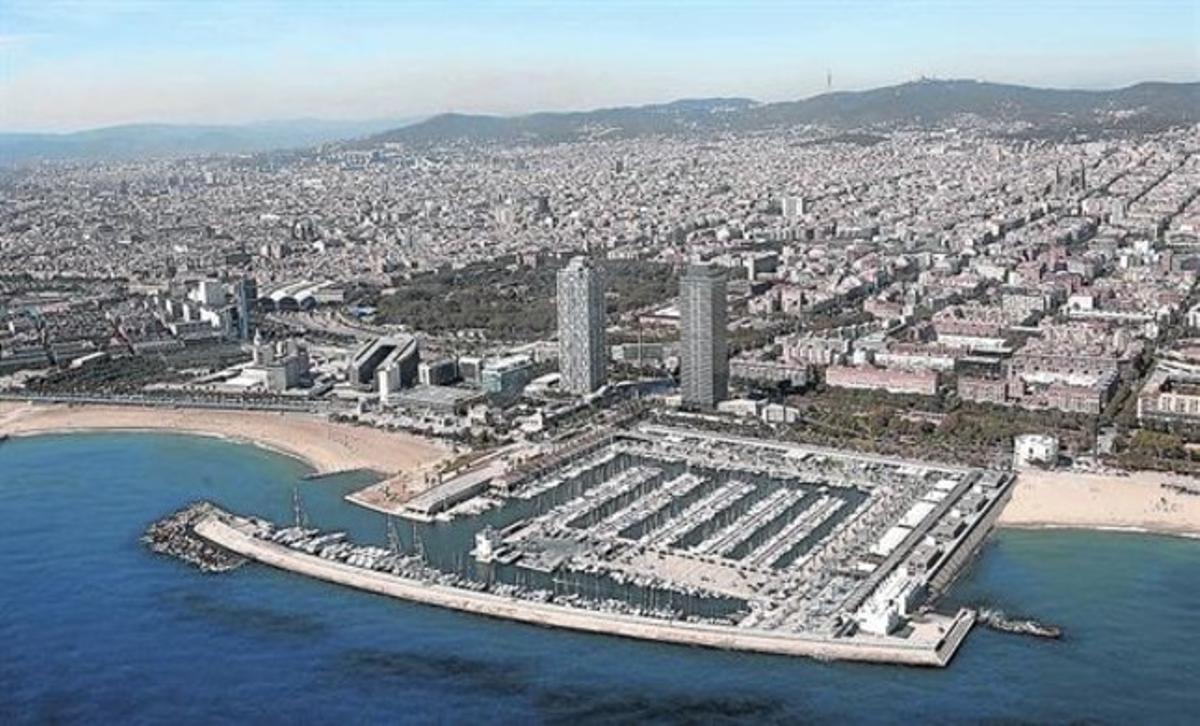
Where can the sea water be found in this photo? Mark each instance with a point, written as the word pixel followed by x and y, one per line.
pixel 96 629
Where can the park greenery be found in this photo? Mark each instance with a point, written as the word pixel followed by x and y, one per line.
pixel 514 302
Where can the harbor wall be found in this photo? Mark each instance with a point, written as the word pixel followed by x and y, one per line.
pixel 948 569
pixel 856 648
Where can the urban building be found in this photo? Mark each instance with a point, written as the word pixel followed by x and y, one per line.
pixel 641 353
pixel 1171 393
pixel 703 351
pixel 245 293
pixel 436 400
pixel 277 366
pixel 506 377
pixel 398 352
pixel 581 339
pixel 817 350
pixel 792 207
pixel 1034 449
pixel 768 373
pixel 438 372
pixel 919 382
pixel 982 389
pixel 209 292
pixel 470 369
pixel 1070 368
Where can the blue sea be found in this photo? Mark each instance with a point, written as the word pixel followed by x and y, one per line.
pixel 95 629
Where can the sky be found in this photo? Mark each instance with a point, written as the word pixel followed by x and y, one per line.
pixel 74 64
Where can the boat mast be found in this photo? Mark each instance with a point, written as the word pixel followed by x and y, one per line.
pixel 393 536
pixel 298 508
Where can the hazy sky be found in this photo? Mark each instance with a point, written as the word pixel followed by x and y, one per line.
pixel 70 64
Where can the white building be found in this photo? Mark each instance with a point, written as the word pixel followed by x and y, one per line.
pixel 1034 449
pixel 793 207
pixel 1193 317
pixel 209 292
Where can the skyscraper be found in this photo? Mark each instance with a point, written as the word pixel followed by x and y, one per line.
pixel 581 341
pixel 245 292
pixel 703 353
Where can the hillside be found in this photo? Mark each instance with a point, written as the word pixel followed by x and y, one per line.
pixel 925 102
pixel 165 140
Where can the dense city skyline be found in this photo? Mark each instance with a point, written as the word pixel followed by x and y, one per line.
pixel 246 62
pixel 767 346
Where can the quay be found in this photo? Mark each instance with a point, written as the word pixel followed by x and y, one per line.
pixel 934 642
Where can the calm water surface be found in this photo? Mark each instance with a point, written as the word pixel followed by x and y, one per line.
pixel 94 629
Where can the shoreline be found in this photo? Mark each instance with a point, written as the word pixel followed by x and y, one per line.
pixel 73 431
pixel 1135 502
pixel 324 446
pixel 1114 529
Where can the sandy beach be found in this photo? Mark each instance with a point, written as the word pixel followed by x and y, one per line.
pixel 326 446
pixel 1137 502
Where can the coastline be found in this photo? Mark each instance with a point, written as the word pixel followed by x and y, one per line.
pixel 323 445
pixel 1135 503
pixel 1115 529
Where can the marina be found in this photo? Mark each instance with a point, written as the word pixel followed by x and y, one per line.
pixel 680 536
pixel 799 538
pixel 169 627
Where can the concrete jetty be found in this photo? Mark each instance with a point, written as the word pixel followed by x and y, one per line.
pixel 933 641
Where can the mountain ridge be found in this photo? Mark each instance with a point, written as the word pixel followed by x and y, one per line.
pixel 153 139
pixel 1150 104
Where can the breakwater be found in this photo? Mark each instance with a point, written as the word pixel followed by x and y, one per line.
pixel 175 536
pixel 238 535
pixel 997 620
